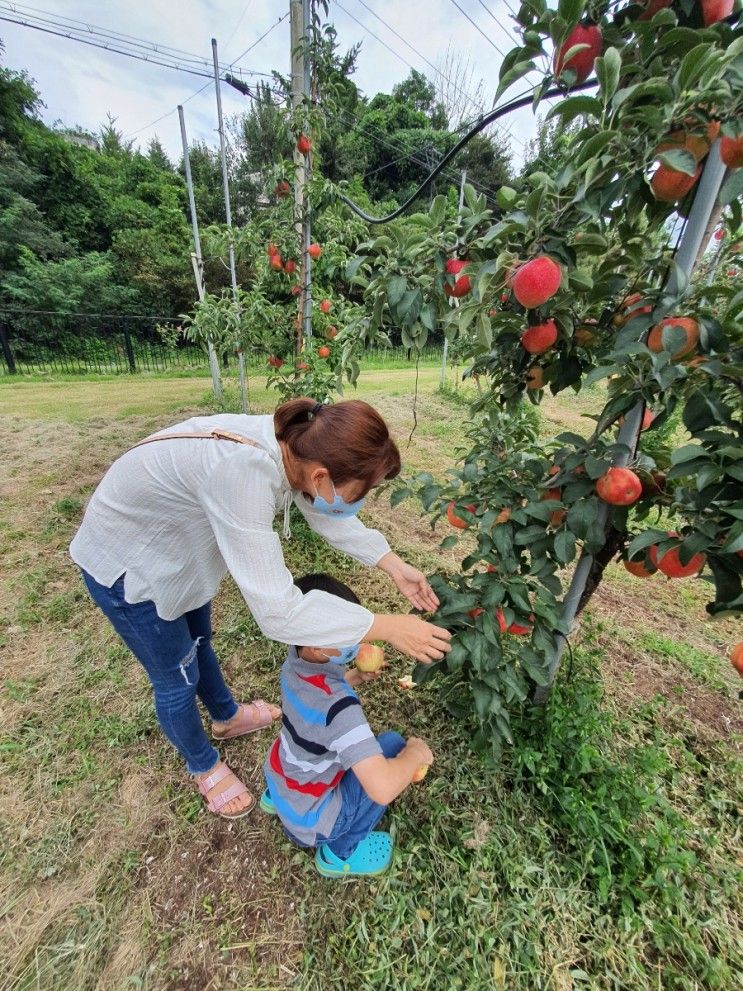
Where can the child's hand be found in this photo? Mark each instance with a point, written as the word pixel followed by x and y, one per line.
pixel 356 678
pixel 420 748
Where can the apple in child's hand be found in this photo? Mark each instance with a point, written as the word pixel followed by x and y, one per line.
pixel 420 773
pixel 370 658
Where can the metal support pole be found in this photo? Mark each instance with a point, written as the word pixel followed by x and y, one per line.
pixel 196 259
pixel 244 398
pixel 442 377
pixel 705 199
pixel 300 23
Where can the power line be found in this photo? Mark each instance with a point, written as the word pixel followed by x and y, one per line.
pixel 74 24
pixel 105 47
pixel 498 21
pixel 201 90
pixel 116 42
pixel 478 28
pixel 258 40
pixel 239 22
pixel 375 36
pixel 170 113
pixel 420 55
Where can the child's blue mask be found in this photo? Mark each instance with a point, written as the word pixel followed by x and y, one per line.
pixel 338 507
pixel 346 655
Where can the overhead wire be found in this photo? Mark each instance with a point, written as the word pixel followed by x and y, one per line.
pixel 207 84
pixel 509 31
pixel 478 28
pixel 78 25
pixel 234 30
pixel 470 99
pixel 405 61
pixel 96 37
pixel 259 40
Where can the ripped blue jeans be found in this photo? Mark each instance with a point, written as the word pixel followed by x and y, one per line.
pixel 181 664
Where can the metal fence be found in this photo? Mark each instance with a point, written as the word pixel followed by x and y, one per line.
pixel 80 344
pixel 96 343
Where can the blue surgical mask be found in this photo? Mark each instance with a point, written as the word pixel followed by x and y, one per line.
pixel 346 655
pixel 338 507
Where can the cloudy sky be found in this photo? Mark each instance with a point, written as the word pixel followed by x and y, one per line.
pixel 80 84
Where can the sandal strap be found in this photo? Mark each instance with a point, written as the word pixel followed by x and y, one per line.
pixel 206 784
pixel 234 791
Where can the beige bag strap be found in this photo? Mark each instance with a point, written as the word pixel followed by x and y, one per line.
pixel 216 434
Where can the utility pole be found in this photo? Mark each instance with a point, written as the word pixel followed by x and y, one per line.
pixel 442 377
pixel 300 14
pixel 196 259
pixel 244 399
pixel 702 209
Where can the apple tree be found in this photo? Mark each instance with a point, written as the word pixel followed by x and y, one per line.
pixel 572 283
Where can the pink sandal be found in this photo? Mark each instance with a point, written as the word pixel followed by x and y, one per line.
pixel 237 790
pixel 246 721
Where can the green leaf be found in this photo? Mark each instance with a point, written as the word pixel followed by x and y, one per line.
pixel 506 197
pixel 693 64
pixel 353 266
pixel 680 160
pixel 565 546
pixel 581 279
pixel 573 106
pixel 396 287
pixel 608 67
pixel 645 540
pixel 398 496
pixel 571 10
pixel 732 189
pixel 688 452
pixel 437 213
pixel 511 76
pixel 593 146
pixel 534 201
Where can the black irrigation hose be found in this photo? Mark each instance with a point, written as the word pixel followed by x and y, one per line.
pixel 483 122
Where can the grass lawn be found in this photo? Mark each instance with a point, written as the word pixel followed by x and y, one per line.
pixel 605 853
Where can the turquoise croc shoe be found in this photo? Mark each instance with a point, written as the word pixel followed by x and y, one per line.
pixel 267 805
pixel 372 856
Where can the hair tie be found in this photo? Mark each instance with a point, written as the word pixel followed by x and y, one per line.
pixel 315 410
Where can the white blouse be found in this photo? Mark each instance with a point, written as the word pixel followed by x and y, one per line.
pixel 175 516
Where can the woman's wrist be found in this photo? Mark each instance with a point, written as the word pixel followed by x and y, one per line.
pixel 389 563
pixel 382 628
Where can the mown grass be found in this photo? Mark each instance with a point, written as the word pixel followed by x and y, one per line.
pixel 604 854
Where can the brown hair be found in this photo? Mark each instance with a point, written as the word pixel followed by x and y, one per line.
pixel 349 438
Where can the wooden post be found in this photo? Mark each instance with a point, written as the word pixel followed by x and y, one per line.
pixel 7 352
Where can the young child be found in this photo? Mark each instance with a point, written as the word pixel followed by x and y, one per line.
pixel 328 777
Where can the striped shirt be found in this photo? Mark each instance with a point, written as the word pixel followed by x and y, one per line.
pixel 324 733
pixel 175 516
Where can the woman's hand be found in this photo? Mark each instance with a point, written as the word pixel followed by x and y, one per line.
pixel 413 636
pixel 412 583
